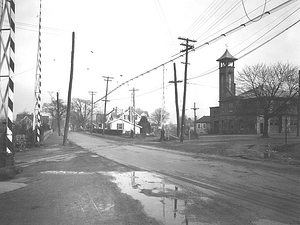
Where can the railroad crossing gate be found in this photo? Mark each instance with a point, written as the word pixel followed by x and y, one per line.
pixel 7 68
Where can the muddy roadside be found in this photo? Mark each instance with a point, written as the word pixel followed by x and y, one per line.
pixel 67 185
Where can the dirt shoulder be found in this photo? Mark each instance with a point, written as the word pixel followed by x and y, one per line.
pixel 66 185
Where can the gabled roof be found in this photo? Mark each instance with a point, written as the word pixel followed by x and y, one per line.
pixel 22 116
pixel 204 119
pixel 226 55
pixel 125 121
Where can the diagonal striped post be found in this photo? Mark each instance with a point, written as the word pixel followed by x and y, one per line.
pixel 7 70
pixel 37 108
pixel 9 133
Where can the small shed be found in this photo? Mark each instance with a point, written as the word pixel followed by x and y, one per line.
pixel 203 125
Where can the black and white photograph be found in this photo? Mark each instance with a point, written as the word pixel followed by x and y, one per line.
pixel 150 112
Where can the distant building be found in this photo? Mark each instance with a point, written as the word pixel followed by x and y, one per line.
pixel 118 119
pixel 26 119
pixel 203 125
pixel 229 118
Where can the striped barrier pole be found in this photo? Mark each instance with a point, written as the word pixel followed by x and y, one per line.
pixel 38 92
pixel 9 133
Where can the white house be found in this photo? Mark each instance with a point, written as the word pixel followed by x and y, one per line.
pixel 125 125
pixel 125 120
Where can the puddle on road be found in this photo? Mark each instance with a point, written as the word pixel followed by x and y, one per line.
pixel 68 172
pixel 160 199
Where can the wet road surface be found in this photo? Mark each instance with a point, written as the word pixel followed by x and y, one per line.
pixel 247 191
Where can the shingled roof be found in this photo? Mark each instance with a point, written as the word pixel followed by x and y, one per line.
pixel 227 55
pixel 204 119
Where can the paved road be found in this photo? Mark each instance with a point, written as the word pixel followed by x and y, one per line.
pixel 262 193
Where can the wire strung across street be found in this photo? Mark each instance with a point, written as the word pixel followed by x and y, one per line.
pixel 223 35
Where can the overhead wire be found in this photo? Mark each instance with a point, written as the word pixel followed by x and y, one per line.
pixel 269 30
pixel 232 8
pixel 258 19
pixel 263 28
pixel 270 39
pixel 233 30
pixel 163 18
pixel 199 19
pixel 229 25
pixel 209 16
pixel 260 45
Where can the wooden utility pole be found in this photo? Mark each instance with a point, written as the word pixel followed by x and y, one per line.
pixel 92 107
pixel 195 119
pixel 70 91
pixel 104 117
pixel 58 113
pixel 188 47
pixel 133 103
pixel 298 122
pixel 176 99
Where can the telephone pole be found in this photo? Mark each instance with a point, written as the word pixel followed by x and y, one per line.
pixel 58 113
pixel 195 118
pixel 70 91
pixel 175 81
pixel 188 47
pixel 92 107
pixel 104 117
pixel 133 103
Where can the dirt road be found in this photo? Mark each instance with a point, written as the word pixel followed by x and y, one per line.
pixel 236 191
pixel 67 185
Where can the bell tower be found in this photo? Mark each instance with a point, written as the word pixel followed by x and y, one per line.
pixel 226 76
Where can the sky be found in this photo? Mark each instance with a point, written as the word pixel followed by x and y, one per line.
pixel 124 39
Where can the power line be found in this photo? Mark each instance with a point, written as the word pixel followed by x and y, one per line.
pixel 262 29
pixel 199 19
pixel 210 15
pixel 220 19
pixel 227 33
pixel 270 39
pixel 258 19
pixel 269 30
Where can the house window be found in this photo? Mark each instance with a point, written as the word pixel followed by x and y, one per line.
pixel 231 125
pixel 203 125
pixel 230 107
pixel 120 126
pixel 276 121
pixel 241 125
pixel 199 126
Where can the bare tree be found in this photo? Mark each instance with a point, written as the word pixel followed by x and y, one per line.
pixel 80 113
pixel 270 90
pixel 51 108
pixel 159 116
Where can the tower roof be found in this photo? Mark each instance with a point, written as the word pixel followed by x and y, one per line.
pixel 226 55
